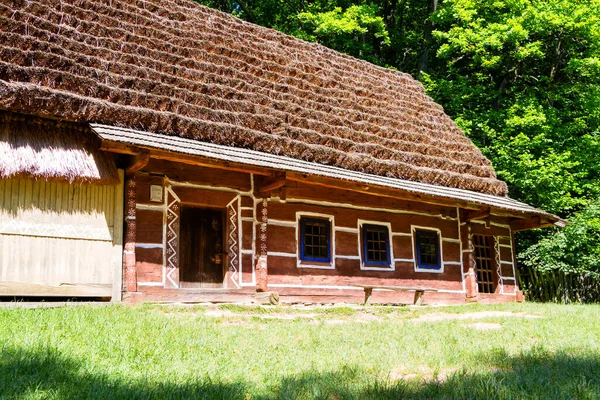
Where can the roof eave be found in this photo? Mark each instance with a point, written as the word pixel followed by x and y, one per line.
pixel 130 141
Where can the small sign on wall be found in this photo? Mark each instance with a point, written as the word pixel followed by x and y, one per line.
pixel 156 193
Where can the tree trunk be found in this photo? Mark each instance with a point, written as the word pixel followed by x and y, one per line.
pixel 427 36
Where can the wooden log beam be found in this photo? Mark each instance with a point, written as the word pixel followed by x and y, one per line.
pixel 137 162
pixel 379 191
pixel 265 186
pixel 120 148
pixel 525 224
pixel 484 213
pixel 62 289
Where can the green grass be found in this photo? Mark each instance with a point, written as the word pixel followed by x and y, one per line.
pixel 160 352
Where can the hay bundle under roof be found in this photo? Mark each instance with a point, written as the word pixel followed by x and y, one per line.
pixel 42 149
pixel 178 68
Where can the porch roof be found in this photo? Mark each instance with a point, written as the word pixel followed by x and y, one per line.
pixel 278 163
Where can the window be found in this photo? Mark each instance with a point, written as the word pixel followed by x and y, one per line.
pixel 376 245
pixel 428 249
pixel 315 239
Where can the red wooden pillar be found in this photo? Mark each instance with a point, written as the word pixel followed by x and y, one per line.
pixel 468 260
pixel 262 277
pixel 130 235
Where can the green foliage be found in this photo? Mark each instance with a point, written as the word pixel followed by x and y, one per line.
pixel 521 77
pixel 354 31
pixel 575 248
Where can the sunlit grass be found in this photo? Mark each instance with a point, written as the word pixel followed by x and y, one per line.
pixel 231 352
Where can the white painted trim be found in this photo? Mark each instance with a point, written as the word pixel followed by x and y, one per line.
pixel 366 267
pixel 462 260
pixel 407 260
pixel 150 284
pixel 150 245
pixel 348 257
pixel 278 222
pixel 281 254
pixel 482 222
pixel 149 207
pixel 240 238
pixel 307 264
pixel 248 251
pixel 247 219
pixel 174 183
pixel 508 246
pixel 452 263
pixel 506 262
pixel 355 207
pixel 247 208
pixel 507 278
pixel 344 229
pixel 449 240
pixel 401 234
pixel 302 264
pixel 413 229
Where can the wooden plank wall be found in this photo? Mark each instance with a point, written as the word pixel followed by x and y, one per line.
pixel 53 233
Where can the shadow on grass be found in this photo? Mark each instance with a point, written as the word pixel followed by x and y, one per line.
pixel 538 375
pixel 46 374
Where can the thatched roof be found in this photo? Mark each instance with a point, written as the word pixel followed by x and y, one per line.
pixel 42 149
pixel 177 68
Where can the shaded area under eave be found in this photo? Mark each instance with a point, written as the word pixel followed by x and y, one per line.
pixel 253 158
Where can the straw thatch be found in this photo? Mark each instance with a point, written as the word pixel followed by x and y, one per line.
pixel 51 150
pixel 178 68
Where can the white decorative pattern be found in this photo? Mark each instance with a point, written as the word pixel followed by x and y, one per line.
pixel 172 235
pixel 472 260
pixel 232 241
pixel 263 228
pixel 498 263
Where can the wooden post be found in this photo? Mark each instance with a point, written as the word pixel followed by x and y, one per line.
pixel 368 293
pixel 117 279
pixel 418 300
pixel 262 278
pixel 130 235
pixel 468 260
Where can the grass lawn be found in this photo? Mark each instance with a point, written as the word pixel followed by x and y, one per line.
pixel 235 352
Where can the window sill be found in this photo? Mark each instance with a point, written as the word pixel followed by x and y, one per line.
pixel 315 264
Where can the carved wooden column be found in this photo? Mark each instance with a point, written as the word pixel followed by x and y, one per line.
pixel 130 235
pixel 261 264
pixel 468 260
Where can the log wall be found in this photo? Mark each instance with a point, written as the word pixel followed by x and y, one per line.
pixel 156 239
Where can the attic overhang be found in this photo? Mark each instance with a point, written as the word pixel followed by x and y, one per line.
pixel 174 148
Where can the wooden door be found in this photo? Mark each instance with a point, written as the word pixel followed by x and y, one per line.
pixel 202 252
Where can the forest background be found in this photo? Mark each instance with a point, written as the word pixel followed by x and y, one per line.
pixel 520 77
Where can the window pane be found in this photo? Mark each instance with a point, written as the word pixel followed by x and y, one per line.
pixel 375 244
pixel 427 249
pixel 315 240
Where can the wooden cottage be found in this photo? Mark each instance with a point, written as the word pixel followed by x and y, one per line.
pixel 161 150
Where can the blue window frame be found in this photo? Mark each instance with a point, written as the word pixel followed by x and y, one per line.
pixel 315 239
pixel 376 245
pixel 428 249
